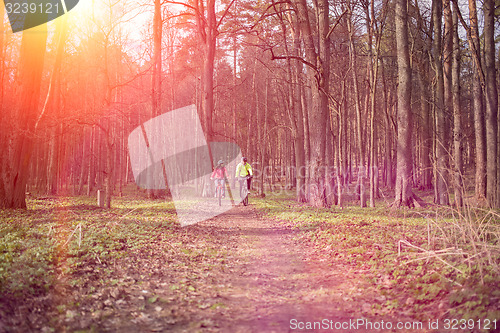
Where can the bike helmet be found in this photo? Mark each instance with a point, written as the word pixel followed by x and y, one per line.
pixel 244 159
pixel 220 162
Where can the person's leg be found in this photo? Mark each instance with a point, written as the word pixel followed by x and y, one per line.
pixel 223 186
pixel 241 181
pixel 217 183
pixel 249 181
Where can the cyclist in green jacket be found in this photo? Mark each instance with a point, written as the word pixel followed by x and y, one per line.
pixel 244 173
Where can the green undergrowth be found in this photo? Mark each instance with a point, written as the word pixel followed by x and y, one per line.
pixel 428 260
pixel 59 237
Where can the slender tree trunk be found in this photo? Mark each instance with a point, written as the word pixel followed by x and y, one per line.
pixel 2 66
pixel 457 116
pixel 491 102
pixel 259 115
pixel 319 115
pixel 92 162
pixel 373 93
pixel 404 195
pixel 30 75
pixel 359 131
pixel 156 91
pixel 208 73
pixel 255 106
pixel 426 139
pixel 447 80
pixel 157 63
pixel 206 23
pixel 4 137
pixel 353 61
pixel 299 145
pixel 388 133
pixel 477 97
pixel 441 144
pixel 314 133
pixel 298 116
pixel 498 137
pixel 52 104
pixel 342 144
pixel 83 164
pixel 234 101
pixel 330 192
pixel 425 133
pixel 263 145
pixel 53 174
pixel 109 179
pixel 307 142
pixel 341 150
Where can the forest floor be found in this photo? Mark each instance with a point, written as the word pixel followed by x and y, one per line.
pixel 246 270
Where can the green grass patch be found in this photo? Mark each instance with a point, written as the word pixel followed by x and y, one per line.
pixel 61 236
pixel 420 257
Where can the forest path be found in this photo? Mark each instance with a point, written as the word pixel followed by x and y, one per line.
pixel 237 272
pixel 278 283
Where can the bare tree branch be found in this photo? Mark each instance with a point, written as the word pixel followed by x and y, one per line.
pixel 473 46
pixel 305 62
pixel 224 14
pixel 335 24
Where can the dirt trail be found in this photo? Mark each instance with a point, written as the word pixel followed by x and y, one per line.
pixel 238 272
pixel 273 280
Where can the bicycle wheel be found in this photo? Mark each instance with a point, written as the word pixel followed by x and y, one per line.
pixel 244 195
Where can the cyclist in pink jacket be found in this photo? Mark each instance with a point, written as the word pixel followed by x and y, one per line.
pixel 219 175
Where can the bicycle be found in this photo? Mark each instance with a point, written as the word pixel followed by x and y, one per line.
pixel 244 189
pixel 219 190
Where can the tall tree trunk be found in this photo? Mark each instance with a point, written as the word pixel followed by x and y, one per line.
pixel 441 153
pixel 263 142
pixel 359 131
pixel 52 101
pixel 62 27
pixel 477 97
pixel 208 72
pixel 388 133
pixel 342 145
pixel 156 93
pixel 319 115
pixel 255 106
pixel 373 172
pixel 2 60
pixel 298 116
pixel 83 164
pixel 404 194
pixel 447 79
pixel 92 162
pixel 330 191
pixel 110 172
pixel 314 135
pixel 258 120
pixel 491 102
pixel 498 136
pixel 157 68
pixel 304 102
pixel 457 116
pixel 30 76
pixel 424 46
pixel 426 139
pixel 53 170
pixel 233 102
pixel 353 65
pixel 4 138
